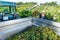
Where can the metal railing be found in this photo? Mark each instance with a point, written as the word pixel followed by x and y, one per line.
pixel 44 22
pixel 11 27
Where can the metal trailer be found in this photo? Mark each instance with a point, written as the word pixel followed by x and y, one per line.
pixel 14 26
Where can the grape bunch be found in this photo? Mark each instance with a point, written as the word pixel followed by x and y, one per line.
pixel 36 33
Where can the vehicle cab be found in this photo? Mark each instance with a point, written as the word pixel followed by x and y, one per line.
pixel 9 12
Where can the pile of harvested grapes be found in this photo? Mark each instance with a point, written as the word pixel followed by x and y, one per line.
pixel 36 33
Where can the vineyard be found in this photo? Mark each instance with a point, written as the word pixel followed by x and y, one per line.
pixel 51 11
pixel 52 15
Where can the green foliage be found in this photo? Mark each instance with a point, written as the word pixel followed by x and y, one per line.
pixel 25 13
pixel 3 9
pixel 36 33
pixel 50 11
pixel 50 3
pixel 24 6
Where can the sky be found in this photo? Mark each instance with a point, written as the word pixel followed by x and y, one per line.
pixel 38 1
